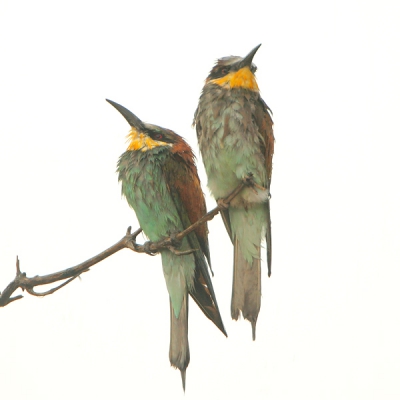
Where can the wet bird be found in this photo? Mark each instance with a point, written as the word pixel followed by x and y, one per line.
pixel 235 134
pixel 159 180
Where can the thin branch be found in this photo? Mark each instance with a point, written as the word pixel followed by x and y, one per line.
pixel 51 291
pixel 128 241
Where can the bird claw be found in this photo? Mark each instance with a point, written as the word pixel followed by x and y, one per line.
pixel 174 241
pixel 249 181
pixel 222 204
pixel 173 250
pixel 147 250
pixel 175 244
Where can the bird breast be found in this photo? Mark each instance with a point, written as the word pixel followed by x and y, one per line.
pixel 230 142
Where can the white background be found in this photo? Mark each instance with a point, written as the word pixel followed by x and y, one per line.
pixel 329 324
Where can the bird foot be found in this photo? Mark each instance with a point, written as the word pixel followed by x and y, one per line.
pixel 173 250
pixel 174 241
pixel 222 204
pixel 249 181
pixel 147 250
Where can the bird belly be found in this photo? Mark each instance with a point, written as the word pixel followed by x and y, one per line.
pixel 227 169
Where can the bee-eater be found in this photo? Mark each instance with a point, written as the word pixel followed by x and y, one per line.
pixel 235 134
pixel 160 182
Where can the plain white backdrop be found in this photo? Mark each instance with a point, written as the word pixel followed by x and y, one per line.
pixel 329 325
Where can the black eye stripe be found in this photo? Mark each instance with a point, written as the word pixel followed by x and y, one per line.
pixel 159 136
pixel 219 72
pixel 154 135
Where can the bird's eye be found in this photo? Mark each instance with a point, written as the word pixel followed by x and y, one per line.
pixel 158 136
pixel 224 71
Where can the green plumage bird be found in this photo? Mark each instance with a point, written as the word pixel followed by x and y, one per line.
pixel 160 182
pixel 235 134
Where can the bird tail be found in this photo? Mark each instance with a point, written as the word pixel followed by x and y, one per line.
pixel 179 355
pixel 268 239
pixel 203 294
pixel 246 289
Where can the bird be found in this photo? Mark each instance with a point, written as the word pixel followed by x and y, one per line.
pixel 159 180
pixel 235 134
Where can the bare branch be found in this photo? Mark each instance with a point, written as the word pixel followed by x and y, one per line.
pixel 51 291
pixel 128 241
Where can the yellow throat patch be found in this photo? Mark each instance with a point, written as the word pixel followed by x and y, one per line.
pixel 142 142
pixel 243 78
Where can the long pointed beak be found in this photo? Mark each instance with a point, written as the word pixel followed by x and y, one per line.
pixel 246 62
pixel 132 119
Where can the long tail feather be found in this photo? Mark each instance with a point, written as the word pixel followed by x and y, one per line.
pixel 227 222
pixel 183 376
pixel 269 240
pixel 246 288
pixel 203 294
pixel 179 354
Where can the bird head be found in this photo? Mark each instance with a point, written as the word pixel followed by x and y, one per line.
pixel 144 136
pixel 235 72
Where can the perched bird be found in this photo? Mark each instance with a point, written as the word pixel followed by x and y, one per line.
pixel 235 134
pixel 160 182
